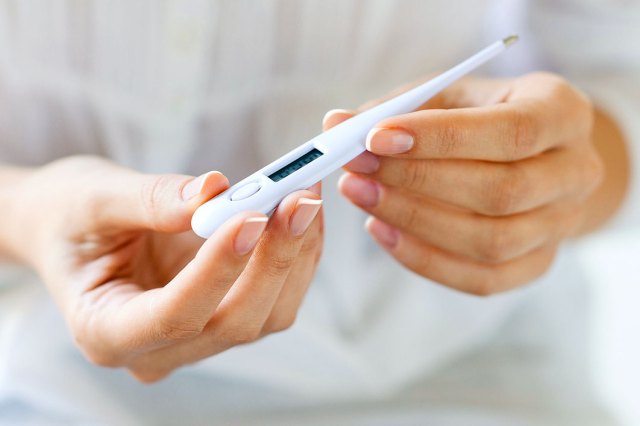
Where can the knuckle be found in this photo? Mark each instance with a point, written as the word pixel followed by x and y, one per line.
pixel 487 283
pixel 103 359
pixel 233 328
pixel 552 81
pixel 562 92
pixel 281 322
pixel 524 134
pixel 424 265
pixel 242 335
pixel 414 174
pixel 311 244
pixel 152 193
pixel 448 136
pixel 409 216
pixel 171 329
pixel 578 103
pixel 148 376
pixel 170 322
pixel 559 87
pixel 280 265
pixel 555 81
pixel 497 245
pixel 506 190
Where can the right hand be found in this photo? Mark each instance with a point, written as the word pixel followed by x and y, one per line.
pixel 137 288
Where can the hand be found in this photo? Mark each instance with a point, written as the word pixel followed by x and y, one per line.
pixel 137 290
pixel 477 188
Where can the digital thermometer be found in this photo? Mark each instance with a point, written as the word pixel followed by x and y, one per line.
pixel 314 160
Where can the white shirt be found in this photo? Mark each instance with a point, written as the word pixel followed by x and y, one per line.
pixel 194 85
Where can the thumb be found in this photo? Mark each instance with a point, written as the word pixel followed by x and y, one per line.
pixel 163 203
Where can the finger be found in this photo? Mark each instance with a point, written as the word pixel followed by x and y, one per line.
pixel 459 273
pixel 540 112
pixel 466 92
pixel 489 188
pixel 434 102
pixel 482 238
pixel 336 116
pixel 246 308
pixel 291 295
pixel 472 92
pixel 365 162
pixel 162 203
pixel 495 133
pixel 183 307
pixel 455 96
pixel 316 188
pixel 241 315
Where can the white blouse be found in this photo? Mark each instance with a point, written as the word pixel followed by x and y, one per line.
pixel 194 85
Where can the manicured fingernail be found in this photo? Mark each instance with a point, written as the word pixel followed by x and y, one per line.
pixel 389 141
pixel 249 234
pixel 331 118
pixel 304 213
pixel 385 234
pixel 363 192
pixel 193 188
pixel 363 163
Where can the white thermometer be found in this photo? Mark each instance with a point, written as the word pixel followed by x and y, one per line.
pixel 314 160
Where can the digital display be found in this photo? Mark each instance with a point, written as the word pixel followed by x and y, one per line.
pixel 296 164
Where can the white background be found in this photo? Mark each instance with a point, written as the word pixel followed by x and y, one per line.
pixel 613 264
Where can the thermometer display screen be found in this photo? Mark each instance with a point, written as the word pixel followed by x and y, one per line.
pixel 295 165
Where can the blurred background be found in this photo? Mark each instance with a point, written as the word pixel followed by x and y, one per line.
pixel 612 261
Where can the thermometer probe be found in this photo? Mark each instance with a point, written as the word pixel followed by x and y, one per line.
pixel 314 160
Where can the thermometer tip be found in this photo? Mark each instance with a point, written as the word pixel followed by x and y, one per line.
pixel 508 41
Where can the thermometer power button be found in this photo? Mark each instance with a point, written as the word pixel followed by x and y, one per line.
pixel 245 191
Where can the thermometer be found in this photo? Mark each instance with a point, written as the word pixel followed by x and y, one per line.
pixel 314 160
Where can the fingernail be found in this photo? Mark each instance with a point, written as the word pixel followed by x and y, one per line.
pixel 363 192
pixel 316 188
pixel 193 188
pixel 389 141
pixel 305 211
pixel 249 234
pixel 385 234
pixel 364 163
pixel 327 119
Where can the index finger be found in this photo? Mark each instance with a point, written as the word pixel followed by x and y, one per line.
pixel 503 132
pixel 496 133
pixel 181 309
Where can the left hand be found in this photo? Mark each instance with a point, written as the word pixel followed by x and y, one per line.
pixel 136 287
pixel 477 188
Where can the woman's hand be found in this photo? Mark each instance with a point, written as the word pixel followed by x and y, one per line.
pixel 477 189
pixel 137 288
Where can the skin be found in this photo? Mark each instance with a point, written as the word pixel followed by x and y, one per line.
pixel 136 287
pixel 499 173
